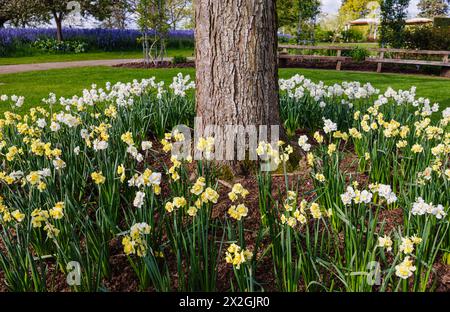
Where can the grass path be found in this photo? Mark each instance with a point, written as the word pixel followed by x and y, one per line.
pixel 70 81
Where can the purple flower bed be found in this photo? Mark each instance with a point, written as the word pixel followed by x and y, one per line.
pixel 97 39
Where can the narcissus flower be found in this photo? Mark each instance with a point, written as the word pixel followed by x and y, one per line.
pixel 17 215
pixel 236 256
pixel 385 242
pixel 192 211
pixel 237 212
pixel 236 191
pixel 139 199
pixel 98 178
pixel 405 269
pixel 210 195
pixel 135 242
pixel 121 172
pixel 57 212
pixel 319 177
pixel 417 148
pixel 127 138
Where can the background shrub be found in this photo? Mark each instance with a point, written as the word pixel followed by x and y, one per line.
pixel 427 38
pixel 54 46
pixel 359 54
pixel 352 35
pixel 442 22
pixel 179 59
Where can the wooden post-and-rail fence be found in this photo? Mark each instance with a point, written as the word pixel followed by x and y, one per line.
pixel 380 59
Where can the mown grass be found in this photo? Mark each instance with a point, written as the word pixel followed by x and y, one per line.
pixel 100 55
pixel 67 82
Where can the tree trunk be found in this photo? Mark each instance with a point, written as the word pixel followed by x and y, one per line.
pixel 236 67
pixel 58 22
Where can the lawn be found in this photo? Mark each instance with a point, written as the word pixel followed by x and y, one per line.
pixel 45 58
pixel 67 82
pixel 366 45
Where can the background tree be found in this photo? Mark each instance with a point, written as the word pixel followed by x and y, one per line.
pixel 354 9
pixel 21 13
pixel 57 10
pixel 432 8
pixel 236 63
pixel 308 10
pixel 393 21
pixel 178 11
pixel 287 14
pixel 118 14
pixel 5 14
pixel 153 23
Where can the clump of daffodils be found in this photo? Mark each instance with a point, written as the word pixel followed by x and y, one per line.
pixel 298 214
pixel 132 150
pixel 40 217
pixel 238 192
pixel 303 143
pixel 285 152
pixel 420 207
pixel 206 146
pixel 236 256
pixel 170 138
pixel 177 202
pixel 135 242
pixel 36 178
pixel 355 196
pixel 329 126
pixel 238 211
pixel 384 191
pixel 147 179
pixel 407 244
pixel 268 153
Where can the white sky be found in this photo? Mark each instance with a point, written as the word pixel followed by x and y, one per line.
pixel 332 6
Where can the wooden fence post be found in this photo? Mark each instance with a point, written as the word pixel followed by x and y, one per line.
pixel 339 63
pixel 445 71
pixel 379 64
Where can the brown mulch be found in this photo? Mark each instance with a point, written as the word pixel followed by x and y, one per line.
pixel 364 66
pixel 163 64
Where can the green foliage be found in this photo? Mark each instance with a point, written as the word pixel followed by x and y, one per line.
pixel 359 54
pixel 179 59
pixel 298 17
pixel 323 35
pixel 393 15
pixel 432 8
pixel 351 35
pixel 442 22
pixel 308 10
pixel 55 46
pixel 353 9
pixel 427 38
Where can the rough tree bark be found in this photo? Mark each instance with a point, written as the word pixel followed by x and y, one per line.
pixel 236 63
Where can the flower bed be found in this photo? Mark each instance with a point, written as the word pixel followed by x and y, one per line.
pixel 13 39
pixel 90 181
